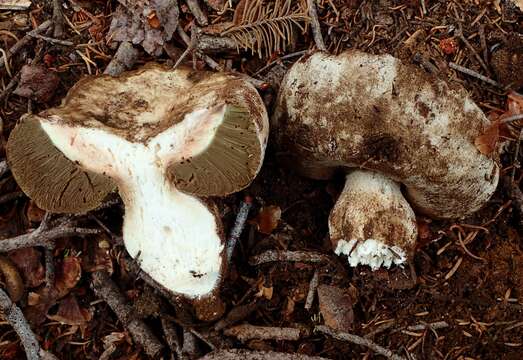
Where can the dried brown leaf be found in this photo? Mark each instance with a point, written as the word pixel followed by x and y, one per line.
pixel 267 219
pixel 486 142
pixel 70 313
pixel 336 307
pixel 29 262
pixel 37 82
pixel 12 279
pixel 67 276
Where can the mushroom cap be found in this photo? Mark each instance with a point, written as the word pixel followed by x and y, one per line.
pixel 137 106
pixel 374 112
pixel 53 181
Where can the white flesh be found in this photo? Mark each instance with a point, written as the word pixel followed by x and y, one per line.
pixel 372 223
pixel 173 235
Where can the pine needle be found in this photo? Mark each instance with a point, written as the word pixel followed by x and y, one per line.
pixel 266 27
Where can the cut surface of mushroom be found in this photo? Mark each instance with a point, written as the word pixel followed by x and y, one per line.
pixel 371 222
pixel 357 110
pixel 212 144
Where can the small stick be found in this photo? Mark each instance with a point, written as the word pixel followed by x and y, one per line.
pixel 123 59
pixel 238 227
pixel 315 25
pixel 474 74
pixel 4 168
pixel 43 237
pixel 15 317
pixel 197 11
pixel 434 326
pixel 58 19
pixel 246 332
pixel 10 86
pixel 516 154
pixel 291 256
pixel 171 337
pixel 474 52
pixel 512 118
pixel 24 41
pixel 49 268
pixel 359 341
pixel 107 290
pixel 313 286
pixel 51 40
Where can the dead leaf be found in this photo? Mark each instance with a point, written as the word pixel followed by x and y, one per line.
pixel 34 213
pixel 265 292
pixel 29 262
pixel 70 313
pixel 267 219
pixel 37 82
pixel 67 276
pixel 12 279
pixel 486 142
pixel 153 20
pixel 336 307
pixel 148 23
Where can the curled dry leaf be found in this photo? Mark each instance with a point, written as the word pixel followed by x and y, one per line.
pixel 12 279
pixel 149 23
pixel 486 142
pixel 70 313
pixel 67 276
pixel 267 219
pixel 336 307
pixel 34 213
pixel 29 262
pixel 37 83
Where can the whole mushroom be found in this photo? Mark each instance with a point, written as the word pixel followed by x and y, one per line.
pixel 168 140
pixel 388 125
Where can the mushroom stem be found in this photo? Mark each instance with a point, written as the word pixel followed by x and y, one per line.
pixel 173 236
pixel 372 223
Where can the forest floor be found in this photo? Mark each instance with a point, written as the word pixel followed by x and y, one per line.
pixel 466 276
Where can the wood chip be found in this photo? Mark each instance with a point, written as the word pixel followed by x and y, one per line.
pixel 336 307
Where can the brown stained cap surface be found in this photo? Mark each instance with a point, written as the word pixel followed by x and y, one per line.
pixel 362 110
pixel 141 104
pixel 54 182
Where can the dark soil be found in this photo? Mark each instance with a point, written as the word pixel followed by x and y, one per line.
pixel 476 288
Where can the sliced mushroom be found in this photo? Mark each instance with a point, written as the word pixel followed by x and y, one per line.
pixel 164 138
pixel 357 110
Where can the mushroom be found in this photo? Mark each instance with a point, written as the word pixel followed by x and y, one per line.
pixel 168 140
pixel 398 127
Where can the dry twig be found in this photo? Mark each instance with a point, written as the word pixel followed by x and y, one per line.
pixel 237 229
pixel 313 286
pixel 123 59
pixel 24 41
pixel 107 290
pixel 359 341
pixel 197 11
pixel 15 317
pixel 246 332
pixel 315 25
pixel 58 19
pixel 43 236
pixel 292 256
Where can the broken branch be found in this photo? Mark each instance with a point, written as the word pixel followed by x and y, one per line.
pixel 358 340
pixel 291 256
pixel 15 317
pixel 107 290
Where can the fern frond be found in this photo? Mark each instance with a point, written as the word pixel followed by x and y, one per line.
pixel 266 27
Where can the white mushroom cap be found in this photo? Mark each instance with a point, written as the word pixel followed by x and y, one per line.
pixel 164 137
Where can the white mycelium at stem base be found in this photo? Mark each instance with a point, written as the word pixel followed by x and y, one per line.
pixel 372 223
pixel 174 235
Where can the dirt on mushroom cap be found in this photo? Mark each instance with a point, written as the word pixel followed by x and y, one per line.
pixel 393 118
